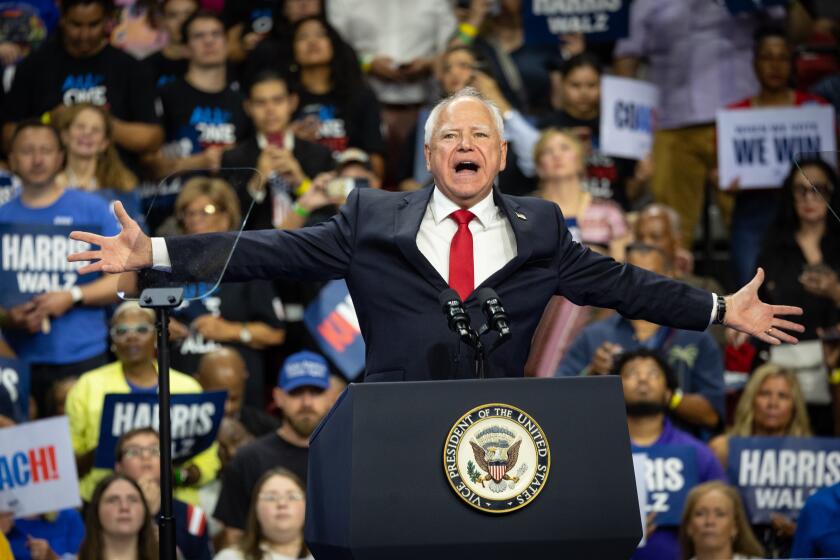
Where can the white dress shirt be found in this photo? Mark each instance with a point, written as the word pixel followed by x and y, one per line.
pixel 494 243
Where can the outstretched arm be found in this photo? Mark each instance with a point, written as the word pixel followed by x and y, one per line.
pixel 745 312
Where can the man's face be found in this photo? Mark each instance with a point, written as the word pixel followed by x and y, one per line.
pixel 772 64
pixel 304 407
pixel 655 230
pixel 207 43
pixel 141 457
pixel 226 378
pixel 649 260
pixel 466 152
pixel 644 382
pixel 36 157
pixel 84 29
pixel 270 106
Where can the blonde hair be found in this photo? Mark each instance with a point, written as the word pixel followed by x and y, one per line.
pixel 111 172
pixel 132 305
pixel 566 133
pixel 744 543
pixel 217 190
pixel 744 425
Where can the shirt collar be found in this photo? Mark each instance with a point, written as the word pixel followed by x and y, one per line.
pixel 485 210
pixel 288 141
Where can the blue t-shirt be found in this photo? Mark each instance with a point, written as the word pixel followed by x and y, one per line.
pixel 81 333
pixel 64 533
pixel 818 527
pixel 664 543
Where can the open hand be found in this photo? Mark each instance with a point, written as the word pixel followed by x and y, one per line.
pixel 130 250
pixel 748 314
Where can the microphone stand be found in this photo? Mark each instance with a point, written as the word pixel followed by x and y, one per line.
pixel 162 301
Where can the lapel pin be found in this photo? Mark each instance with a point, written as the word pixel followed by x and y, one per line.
pixel 521 216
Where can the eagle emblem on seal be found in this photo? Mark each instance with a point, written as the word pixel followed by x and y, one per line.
pixel 496 453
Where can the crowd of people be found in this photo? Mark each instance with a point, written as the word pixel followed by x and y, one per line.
pixel 206 116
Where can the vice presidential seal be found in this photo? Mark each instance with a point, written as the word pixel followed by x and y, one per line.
pixel 496 458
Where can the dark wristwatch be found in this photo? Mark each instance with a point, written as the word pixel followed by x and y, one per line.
pixel 721 310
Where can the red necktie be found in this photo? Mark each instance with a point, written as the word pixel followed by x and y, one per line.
pixel 461 266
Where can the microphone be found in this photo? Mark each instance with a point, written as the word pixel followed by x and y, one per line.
pixel 497 318
pixel 453 308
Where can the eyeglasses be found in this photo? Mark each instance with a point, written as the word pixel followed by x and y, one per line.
pixel 122 331
pixel 201 213
pixel 136 451
pixel 272 497
pixel 820 191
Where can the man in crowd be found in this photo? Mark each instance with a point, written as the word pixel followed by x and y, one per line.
pixel 138 458
pixel 698 397
pixel 302 395
pixel 649 384
pixel 80 66
pixel 224 369
pixel 59 332
pixel 285 163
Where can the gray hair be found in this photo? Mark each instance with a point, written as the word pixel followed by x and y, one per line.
pixel 465 93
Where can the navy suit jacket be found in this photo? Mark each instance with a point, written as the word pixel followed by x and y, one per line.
pixel 372 244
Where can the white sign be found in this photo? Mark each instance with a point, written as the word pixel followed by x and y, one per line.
pixel 628 116
pixel 756 147
pixel 640 470
pixel 38 468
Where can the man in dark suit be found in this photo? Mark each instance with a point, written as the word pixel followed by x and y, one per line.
pixel 398 252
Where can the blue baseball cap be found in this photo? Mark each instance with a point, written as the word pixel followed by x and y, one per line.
pixel 304 369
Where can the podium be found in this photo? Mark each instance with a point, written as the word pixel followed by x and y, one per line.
pixel 380 487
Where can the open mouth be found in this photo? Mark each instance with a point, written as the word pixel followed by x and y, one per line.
pixel 466 167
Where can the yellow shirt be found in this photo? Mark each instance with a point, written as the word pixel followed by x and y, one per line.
pixel 5 549
pixel 84 410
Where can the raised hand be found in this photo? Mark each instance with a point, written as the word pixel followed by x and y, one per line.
pixel 745 312
pixel 130 250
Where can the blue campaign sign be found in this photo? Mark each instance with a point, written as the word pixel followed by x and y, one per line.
pixel 33 260
pixel 599 20
pixel 14 377
pixel 777 474
pixel 195 420
pixel 670 472
pixel 331 319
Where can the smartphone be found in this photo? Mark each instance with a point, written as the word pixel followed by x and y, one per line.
pixel 341 187
pixel 276 139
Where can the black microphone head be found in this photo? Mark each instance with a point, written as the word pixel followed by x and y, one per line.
pixel 447 296
pixel 485 294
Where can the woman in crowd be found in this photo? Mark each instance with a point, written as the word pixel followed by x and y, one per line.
pixel 771 405
pixel 243 315
pixel 559 159
pixel 118 524
pixel 335 106
pixel 274 530
pixel 171 61
pixel 801 259
pixel 714 525
pixel 135 371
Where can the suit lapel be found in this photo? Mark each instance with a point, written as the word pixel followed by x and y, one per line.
pixel 408 217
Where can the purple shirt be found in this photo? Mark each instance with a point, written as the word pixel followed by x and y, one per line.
pixel 663 543
pixel 699 55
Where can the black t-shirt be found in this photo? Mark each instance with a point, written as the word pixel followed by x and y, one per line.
pixel 50 76
pixel 606 176
pixel 344 123
pixel 246 468
pixel 240 302
pixel 257 421
pixel 165 70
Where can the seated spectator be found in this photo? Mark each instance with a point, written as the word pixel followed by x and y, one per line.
pixel 202 113
pixel 335 106
pixel 250 23
pixel 275 520
pixel 697 401
pixel 135 371
pixel 59 333
pixel 285 162
pixel 559 159
pixel 118 523
pixel 78 65
pixel 771 405
pixel 138 458
pixel 173 60
pixel 801 260
pixel 755 208
pixel 303 397
pixel 714 525
pixel 244 314
pixel 55 535
pixel 818 527
pixel 224 369
pixel 649 384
